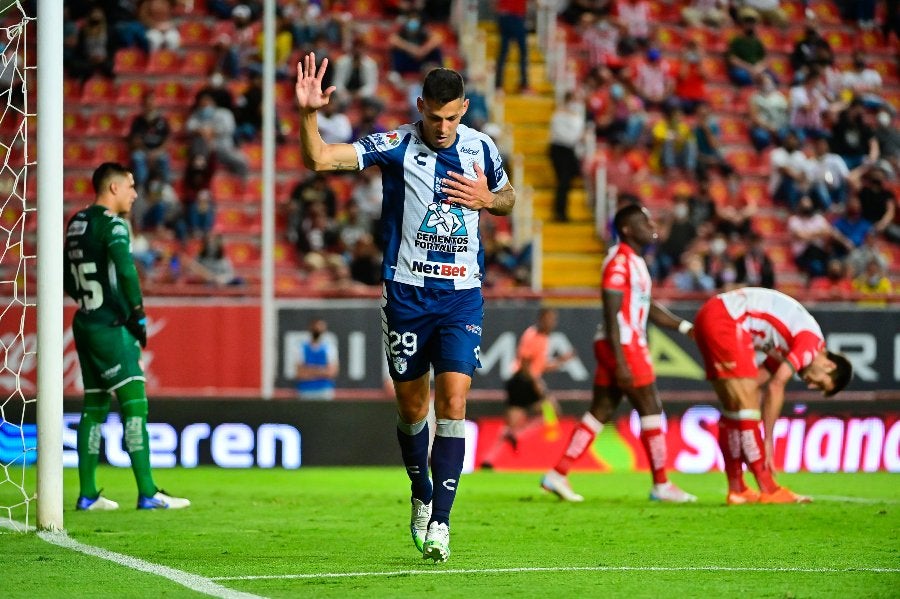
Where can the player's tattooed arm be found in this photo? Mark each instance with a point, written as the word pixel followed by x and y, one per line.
pixel 504 200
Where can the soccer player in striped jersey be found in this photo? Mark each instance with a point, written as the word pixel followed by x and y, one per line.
pixel 438 175
pixel 623 360
pixel 731 328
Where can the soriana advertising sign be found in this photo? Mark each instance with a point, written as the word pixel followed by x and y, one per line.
pixel 192 349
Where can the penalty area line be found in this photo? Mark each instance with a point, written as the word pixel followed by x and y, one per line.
pixel 559 569
pixel 193 582
pixel 849 499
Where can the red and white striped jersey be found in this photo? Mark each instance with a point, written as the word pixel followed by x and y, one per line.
pixel 625 271
pixel 778 323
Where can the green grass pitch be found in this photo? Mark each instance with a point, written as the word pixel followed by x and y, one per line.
pixel 301 532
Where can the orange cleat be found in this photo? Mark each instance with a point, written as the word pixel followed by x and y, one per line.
pixel 742 497
pixel 783 495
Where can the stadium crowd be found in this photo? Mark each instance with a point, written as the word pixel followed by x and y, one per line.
pixel 814 167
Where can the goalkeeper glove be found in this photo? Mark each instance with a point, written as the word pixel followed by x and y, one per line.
pixel 137 326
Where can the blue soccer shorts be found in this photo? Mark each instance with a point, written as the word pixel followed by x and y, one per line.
pixel 424 327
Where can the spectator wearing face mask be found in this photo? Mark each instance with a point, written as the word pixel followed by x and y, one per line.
pixel 873 281
pixel 888 137
pixel 413 45
pixel 829 176
pixel 879 204
pixel 690 82
pixel 768 113
pixel 852 138
pixel 789 171
pixel 812 238
pixel 753 267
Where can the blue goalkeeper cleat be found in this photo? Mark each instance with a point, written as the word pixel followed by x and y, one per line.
pixel 418 522
pixel 96 504
pixel 161 501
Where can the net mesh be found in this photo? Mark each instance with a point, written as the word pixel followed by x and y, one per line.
pixel 18 438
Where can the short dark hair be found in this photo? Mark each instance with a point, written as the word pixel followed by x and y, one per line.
pixel 842 373
pixel 443 86
pixel 624 215
pixel 106 171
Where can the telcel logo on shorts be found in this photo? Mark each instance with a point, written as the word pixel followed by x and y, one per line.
pixel 439 269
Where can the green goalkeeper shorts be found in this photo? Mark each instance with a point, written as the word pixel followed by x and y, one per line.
pixel 109 356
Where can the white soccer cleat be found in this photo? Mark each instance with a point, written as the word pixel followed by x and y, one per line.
pixel 437 543
pixel 418 522
pixel 162 501
pixel 670 493
pixel 558 484
pixel 100 504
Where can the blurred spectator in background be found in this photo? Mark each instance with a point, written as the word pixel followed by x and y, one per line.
pixel 868 251
pixel 161 30
pixel 317 363
pixel 217 88
pixel 690 82
pixel 511 24
pixel 712 13
pixel 567 127
pixel 862 81
pixel 674 145
pixel 835 285
pixel 769 11
pixel 303 16
pixel 334 124
pixel 862 12
pixel 248 110
pixel 600 37
pixel 351 226
pixel 873 281
pixel 812 237
pixel 789 170
pixel 284 47
pixel 356 72
pixel 310 190
pixel 879 203
pixel 369 118
pixel 829 176
pixel 212 266
pixel 694 277
pixel 96 48
pixel 123 18
pixel 235 44
pixel 212 129
pixel 675 238
pixel 161 208
pixel 621 116
pixel 412 45
pixel 753 267
pixel 653 79
pixel 746 54
pixel 808 103
pixel 888 137
pixel 198 174
pixel 70 37
pixel 367 195
pixel 199 215
pixel 318 239
pixel 365 261
pixel 852 138
pixel 811 50
pixel 477 114
pixel 769 115
pixel 851 223
pixel 703 210
pixel 706 138
pixel 719 264
pixel 575 8
pixel 147 140
pixel 633 18
pixel 736 211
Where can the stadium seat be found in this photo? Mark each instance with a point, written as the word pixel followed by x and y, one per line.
pixel 288 158
pixel 253 152
pixel 98 92
pixel 197 63
pixel 253 190
pixel 747 161
pixel 74 124
pixel 163 62
pixel 193 33
pixel 71 90
pixel 237 220
pixel 826 11
pixel 368 10
pixel 131 93
pixel 77 154
pixel 284 96
pixel 129 61
pixel 887 68
pixel 242 253
pixel 781 66
pixel 733 130
pixel 756 191
pixel 107 124
pixel 669 39
pixel 706 38
pixel 714 69
pixel 77 188
pixel 171 93
pixel 227 188
pixel 112 152
pixel 840 41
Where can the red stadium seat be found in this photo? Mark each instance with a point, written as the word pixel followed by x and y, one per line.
pixel 227 188
pixel 107 124
pixel 77 154
pixel 756 191
pixel 826 11
pixel 748 162
pixel 284 96
pixel 197 63
pixel 708 39
pixel 194 33
pixel 714 69
pixel 131 93
pixel 733 130
pixel 839 40
pixel 237 220
pixel 285 254
pixel 253 190
pixel 253 152
pixel 74 124
pixel 669 39
pixel 98 91
pixel 242 253
pixel 71 90
pixel 887 68
pixel 129 61
pixel 781 66
pixel 288 158
pixel 172 93
pixel 112 152
pixel 163 62
pixel 77 188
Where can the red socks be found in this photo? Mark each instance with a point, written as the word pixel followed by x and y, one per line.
pixel 730 444
pixel 754 453
pixel 654 440
pixel 582 436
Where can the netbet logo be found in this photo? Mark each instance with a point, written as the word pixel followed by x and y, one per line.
pixel 439 269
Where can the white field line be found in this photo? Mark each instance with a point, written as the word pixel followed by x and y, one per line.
pixel 562 569
pixel 191 581
pixel 865 500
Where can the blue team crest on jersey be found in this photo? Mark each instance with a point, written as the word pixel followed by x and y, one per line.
pixel 444 219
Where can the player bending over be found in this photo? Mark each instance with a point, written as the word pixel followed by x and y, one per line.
pixel 438 175
pixel 730 328
pixel 623 360
pixel 108 327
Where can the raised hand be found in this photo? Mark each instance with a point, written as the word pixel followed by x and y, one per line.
pixel 310 96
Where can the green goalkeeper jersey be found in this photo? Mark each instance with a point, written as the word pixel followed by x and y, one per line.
pixel 99 271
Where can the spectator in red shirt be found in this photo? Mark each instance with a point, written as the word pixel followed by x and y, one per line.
pixel 511 23
pixel 690 83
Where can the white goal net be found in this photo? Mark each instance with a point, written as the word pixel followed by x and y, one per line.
pixel 18 436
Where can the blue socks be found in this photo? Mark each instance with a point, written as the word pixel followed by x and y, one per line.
pixel 447 455
pixel 413 439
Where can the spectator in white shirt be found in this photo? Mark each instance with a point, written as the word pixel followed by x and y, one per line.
pixel 567 128
pixel 768 113
pixel 863 82
pixel 829 176
pixel 356 73
pixel 712 13
pixel 769 10
pixel 790 167
pixel 808 103
pixel 334 125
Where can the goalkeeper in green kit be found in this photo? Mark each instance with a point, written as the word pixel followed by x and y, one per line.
pixel 110 328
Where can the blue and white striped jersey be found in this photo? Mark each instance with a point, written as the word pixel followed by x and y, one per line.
pixel 429 241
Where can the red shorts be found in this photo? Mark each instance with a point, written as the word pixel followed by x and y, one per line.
pixel 727 349
pixel 636 356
